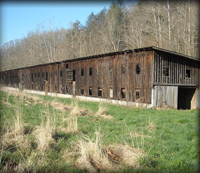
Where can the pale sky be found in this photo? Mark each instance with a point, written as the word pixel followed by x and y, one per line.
pixel 17 19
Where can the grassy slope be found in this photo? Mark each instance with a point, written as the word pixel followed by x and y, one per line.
pixel 172 146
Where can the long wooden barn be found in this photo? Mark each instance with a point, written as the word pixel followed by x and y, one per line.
pixel 148 76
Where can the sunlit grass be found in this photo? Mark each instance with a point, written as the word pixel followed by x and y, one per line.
pixel 168 137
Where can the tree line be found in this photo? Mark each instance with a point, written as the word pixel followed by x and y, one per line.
pixel 172 25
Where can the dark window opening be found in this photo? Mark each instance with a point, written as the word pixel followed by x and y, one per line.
pixel 90 90
pixel 61 73
pixel 67 90
pixel 123 92
pixel 123 70
pixel 67 66
pixel 82 72
pixel 42 74
pixel 137 95
pixel 38 74
pixel 100 91
pixel 138 70
pixel 74 75
pixel 165 71
pixel 187 75
pixel 46 76
pixel 82 91
pixel 90 71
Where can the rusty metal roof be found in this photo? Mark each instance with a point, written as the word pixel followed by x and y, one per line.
pixel 114 53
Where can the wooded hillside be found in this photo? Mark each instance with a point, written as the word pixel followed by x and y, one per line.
pixel 172 25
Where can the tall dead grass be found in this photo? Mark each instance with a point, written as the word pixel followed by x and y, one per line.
pixel 44 133
pixel 15 134
pixel 95 157
pixel 102 111
pixel 151 126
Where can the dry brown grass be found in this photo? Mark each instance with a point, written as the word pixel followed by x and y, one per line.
pixel 58 105
pixel 5 101
pixel 76 110
pixel 135 135
pixel 44 134
pixel 72 124
pixel 69 122
pixel 102 112
pixel 15 134
pixel 95 157
pixel 125 155
pixel 32 163
pixel 151 126
pixel 24 97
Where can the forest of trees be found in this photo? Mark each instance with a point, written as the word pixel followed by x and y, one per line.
pixel 172 25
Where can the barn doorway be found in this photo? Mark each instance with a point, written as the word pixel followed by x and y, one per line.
pixel 186 98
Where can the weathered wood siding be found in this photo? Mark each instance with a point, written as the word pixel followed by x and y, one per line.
pixel 177 69
pixel 113 74
pixel 132 76
pixel 165 96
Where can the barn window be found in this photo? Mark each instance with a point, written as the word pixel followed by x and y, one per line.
pixel 100 91
pixel 90 71
pixel 82 72
pixel 90 90
pixel 67 66
pixel 74 75
pixel 137 95
pixel 123 92
pixel 82 91
pixel 38 74
pixel 123 69
pixel 67 90
pixel 187 75
pixel 35 75
pixel 138 70
pixel 42 74
pixel 165 71
pixel 61 73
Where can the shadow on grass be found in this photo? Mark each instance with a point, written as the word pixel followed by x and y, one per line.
pixel 61 135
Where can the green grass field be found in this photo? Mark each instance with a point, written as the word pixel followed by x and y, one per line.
pixel 168 138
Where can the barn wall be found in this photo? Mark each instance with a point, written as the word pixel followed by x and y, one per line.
pixel 198 98
pixel 178 69
pixel 113 77
pixel 125 76
pixel 165 96
pixel 112 74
